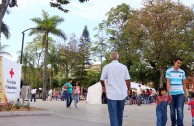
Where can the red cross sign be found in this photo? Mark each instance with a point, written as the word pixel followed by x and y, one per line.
pixel 11 72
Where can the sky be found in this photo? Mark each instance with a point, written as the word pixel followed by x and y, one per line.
pixel 90 13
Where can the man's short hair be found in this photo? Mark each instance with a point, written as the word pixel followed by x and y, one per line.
pixel 176 59
pixel 114 56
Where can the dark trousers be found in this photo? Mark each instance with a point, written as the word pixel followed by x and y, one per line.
pixel 33 97
pixel 176 106
pixel 69 99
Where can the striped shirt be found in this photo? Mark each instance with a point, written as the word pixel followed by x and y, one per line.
pixel 116 75
pixel 176 80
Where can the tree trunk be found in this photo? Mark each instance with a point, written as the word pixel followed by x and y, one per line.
pixel 37 77
pixel 161 76
pixel 45 72
pixel 67 72
pixel 51 79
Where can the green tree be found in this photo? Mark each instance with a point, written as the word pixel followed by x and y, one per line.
pixel 101 46
pixel 120 40
pixel 3 8
pixel 49 24
pixel 84 54
pixel 162 30
pixel 53 59
pixel 36 49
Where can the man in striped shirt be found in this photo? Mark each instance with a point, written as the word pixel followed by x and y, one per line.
pixel 176 88
pixel 117 88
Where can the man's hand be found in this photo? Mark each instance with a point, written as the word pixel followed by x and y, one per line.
pixel 128 92
pixel 104 89
pixel 185 97
pixel 169 96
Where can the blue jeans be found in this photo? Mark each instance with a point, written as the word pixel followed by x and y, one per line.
pixel 69 99
pixel 161 113
pixel 177 105
pixel 139 99
pixel 192 121
pixel 115 108
pixel 76 99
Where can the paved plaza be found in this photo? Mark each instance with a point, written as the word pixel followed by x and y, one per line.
pixel 87 115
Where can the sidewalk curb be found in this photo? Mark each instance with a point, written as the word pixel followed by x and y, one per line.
pixel 26 113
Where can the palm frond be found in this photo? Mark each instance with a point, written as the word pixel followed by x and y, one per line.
pixel 5 30
pixel 3 52
pixel 59 33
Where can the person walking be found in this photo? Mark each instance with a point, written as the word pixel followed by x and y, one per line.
pixel 117 88
pixel 176 87
pixel 50 95
pixel 33 94
pixel 76 92
pixel 69 88
pixel 139 95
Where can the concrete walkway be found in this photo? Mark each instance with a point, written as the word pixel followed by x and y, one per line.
pixel 88 115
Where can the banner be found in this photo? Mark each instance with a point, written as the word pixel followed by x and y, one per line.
pixel 11 78
pixel 3 98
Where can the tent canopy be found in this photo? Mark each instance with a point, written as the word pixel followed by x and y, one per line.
pixel 136 85
pixel 95 92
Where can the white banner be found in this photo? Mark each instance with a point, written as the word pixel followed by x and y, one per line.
pixel 12 78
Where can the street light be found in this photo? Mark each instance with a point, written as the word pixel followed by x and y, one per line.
pixel 23 35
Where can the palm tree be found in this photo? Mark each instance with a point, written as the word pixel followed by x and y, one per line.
pixel 2 50
pixel 52 56
pixel 49 24
pixel 6 33
pixel 5 30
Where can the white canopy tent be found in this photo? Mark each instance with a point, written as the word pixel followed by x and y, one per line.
pixel 95 92
pixel 135 85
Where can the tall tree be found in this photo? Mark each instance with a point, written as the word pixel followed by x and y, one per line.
pixel 68 56
pixel 101 46
pixel 36 49
pixel 162 30
pixel 84 53
pixel 52 59
pixel 3 8
pixel 49 24
pixel 116 21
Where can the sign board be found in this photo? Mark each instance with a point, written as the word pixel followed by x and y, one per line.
pixel 10 80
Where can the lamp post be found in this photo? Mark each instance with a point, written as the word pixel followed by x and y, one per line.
pixel 23 35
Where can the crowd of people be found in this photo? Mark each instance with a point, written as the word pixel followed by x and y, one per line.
pixel 68 93
pixel 117 92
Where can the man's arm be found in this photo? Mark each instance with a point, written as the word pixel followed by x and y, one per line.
pixel 168 85
pixel 184 86
pixel 103 85
pixel 128 83
pixel 185 89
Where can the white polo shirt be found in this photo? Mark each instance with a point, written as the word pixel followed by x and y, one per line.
pixel 116 75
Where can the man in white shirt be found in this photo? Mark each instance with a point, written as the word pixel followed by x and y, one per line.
pixel 139 95
pixel 33 94
pixel 117 88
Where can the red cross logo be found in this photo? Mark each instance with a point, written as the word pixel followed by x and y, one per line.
pixel 11 72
